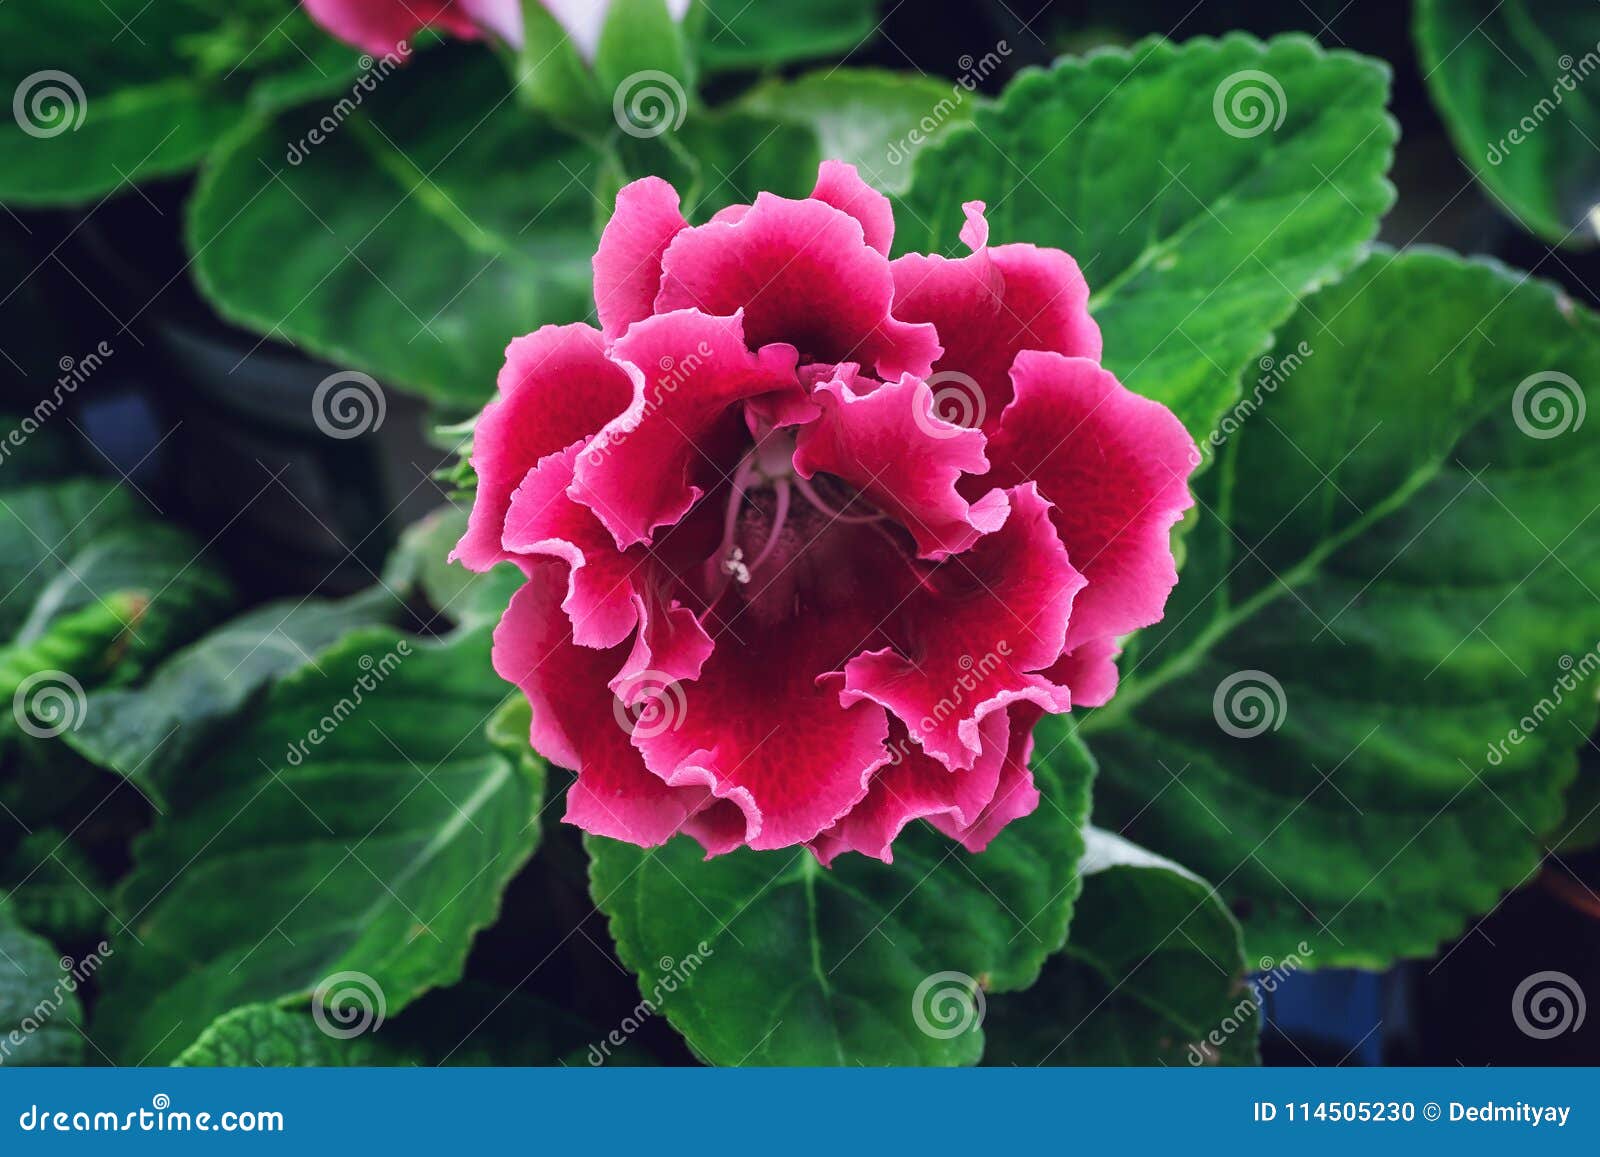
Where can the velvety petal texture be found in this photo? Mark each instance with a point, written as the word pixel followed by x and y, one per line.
pixel 812 539
pixel 384 26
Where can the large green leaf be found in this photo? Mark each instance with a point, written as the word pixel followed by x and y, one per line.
pixel 1197 226
pixel 1153 973
pixel 739 34
pixel 1357 717
pixel 149 733
pixel 360 825
pixel 766 958
pixel 40 1013
pixel 118 91
pixel 266 1036
pixel 1514 82
pixel 432 223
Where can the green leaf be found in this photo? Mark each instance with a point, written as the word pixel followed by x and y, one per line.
pixel 1357 717
pixel 454 594
pixel 1513 83
pixel 1197 229
pixel 120 91
pixel 1153 973
pixel 148 734
pixel 54 888
pixel 766 958
pixel 266 1036
pixel 432 223
pixel 362 823
pixel 40 1014
pixel 735 34
pixel 874 119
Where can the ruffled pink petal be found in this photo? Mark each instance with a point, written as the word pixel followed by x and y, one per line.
pixel 1115 467
pixel 576 725
pixel 904 459
pixel 556 388
pixel 839 185
pixel 1015 796
pixel 915 787
pixel 974 641
pixel 991 305
pixel 803 274
pixel 627 265
pixel 1089 671
pixel 764 728
pixel 689 371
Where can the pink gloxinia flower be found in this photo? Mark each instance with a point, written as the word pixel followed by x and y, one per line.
pixel 813 538
pixel 378 26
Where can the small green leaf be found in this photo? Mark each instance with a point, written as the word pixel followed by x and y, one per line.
pixel 765 958
pixel 1153 973
pixel 876 120
pixel 736 34
pixel 1512 80
pixel 391 238
pixel 360 825
pixel 454 594
pixel 1197 226
pixel 1360 713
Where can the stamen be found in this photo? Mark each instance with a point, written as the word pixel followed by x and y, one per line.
pixel 778 518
